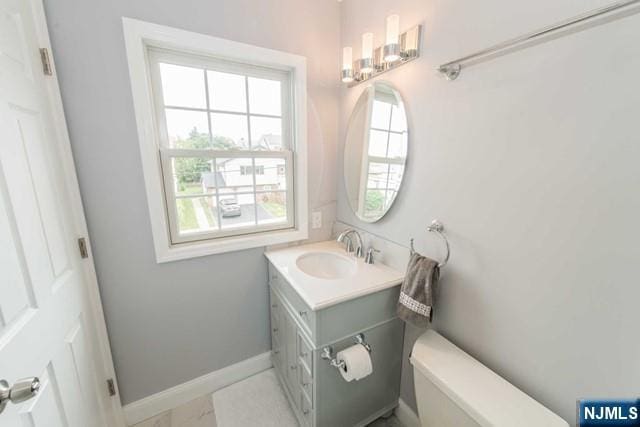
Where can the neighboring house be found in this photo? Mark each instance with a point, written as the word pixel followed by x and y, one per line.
pixel 208 181
pixel 236 175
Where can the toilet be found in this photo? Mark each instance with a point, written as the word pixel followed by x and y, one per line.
pixel 455 390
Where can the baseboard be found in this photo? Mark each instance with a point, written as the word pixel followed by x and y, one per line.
pixel 405 414
pixel 175 396
pixel 381 412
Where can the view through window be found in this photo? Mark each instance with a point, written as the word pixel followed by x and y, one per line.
pixel 386 155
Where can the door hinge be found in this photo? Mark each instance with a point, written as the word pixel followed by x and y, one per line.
pixel 82 245
pixel 46 62
pixel 111 387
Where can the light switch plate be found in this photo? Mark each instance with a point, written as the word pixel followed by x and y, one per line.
pixel 316 219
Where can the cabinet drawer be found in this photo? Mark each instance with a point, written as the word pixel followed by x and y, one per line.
pixel 274 276
pixel 305 353
pixel 277 353
pixel 306 383
pixel 276 339
pixel 295 304
pixel 306 409
pixel 274 302
pixel 276 328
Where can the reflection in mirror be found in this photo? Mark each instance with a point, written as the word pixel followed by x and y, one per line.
pixel 375 152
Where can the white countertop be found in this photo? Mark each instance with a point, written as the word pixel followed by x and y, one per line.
pixel 319 293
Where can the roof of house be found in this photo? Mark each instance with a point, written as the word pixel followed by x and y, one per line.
pixel 269 142
pixel 209 179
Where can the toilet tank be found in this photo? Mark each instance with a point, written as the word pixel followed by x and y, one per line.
pixel 455 390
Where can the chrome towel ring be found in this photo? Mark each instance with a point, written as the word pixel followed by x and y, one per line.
pixel 438 228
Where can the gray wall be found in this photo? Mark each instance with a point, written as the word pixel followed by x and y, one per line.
pixel 173 322
pixel 531 161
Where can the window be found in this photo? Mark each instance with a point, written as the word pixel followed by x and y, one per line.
pixel 248 170
pixel 225 141
pixel 222 125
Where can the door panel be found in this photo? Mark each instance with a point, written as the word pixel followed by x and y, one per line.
pixel 14 286
pixel 47 326
pixel 44 409
pixel 39 160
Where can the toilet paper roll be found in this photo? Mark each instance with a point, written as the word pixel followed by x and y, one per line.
pixel 357 363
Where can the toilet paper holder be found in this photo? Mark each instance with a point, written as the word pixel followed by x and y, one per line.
pixel 327 352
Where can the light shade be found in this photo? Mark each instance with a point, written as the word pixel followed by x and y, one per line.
pixel 367 53
pixel 393 29
pixel 391 47
pixel 347 64
pixel 410 45
pixel 347 58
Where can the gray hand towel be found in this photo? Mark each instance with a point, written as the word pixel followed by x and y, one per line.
pixel 419 287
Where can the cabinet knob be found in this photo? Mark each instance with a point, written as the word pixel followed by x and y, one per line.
pixel 274 305
pixel 293 367
pixel 303 354
pixel 275 329
pixel 305 412
pixel 302 313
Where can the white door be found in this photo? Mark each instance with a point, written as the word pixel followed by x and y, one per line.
pixel 51 324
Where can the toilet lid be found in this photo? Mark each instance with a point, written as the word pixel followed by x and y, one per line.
pixel 485 396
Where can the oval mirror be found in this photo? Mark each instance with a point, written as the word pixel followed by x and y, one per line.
pixel 375 151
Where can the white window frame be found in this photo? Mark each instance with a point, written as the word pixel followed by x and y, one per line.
pixel 142 36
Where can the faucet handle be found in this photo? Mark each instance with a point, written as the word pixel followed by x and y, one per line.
pixel 369 258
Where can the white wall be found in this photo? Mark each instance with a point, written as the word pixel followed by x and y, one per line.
pixel 173 322
pixel 531 161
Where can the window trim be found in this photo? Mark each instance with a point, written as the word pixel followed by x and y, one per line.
pixel 139 37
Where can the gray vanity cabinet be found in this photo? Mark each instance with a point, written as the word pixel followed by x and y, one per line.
pixel 315 389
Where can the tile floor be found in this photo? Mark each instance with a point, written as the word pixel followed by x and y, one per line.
pixel 201 412
pixel 257 400
pixel 197 413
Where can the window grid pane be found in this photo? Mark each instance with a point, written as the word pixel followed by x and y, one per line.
pixel 242 112
pixel 226 91
pixel 210 194
pixel 196 214
pixel 182 86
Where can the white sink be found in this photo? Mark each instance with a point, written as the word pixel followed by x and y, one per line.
pixel 326 265
pixel 323 274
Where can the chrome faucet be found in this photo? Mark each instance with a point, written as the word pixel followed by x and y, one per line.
pixel 345 235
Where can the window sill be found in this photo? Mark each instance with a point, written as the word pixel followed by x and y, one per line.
pixel 230 244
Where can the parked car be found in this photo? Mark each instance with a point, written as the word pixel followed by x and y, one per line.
pixel 230 207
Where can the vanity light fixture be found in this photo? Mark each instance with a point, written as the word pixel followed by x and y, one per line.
pixel 366 63
pixel 347 65
pixel 398 49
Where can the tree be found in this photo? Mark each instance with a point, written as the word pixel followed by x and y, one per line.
pixel 189 169
pixel 374 202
